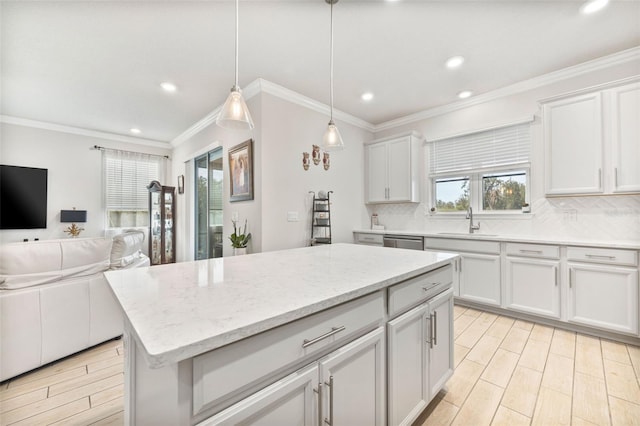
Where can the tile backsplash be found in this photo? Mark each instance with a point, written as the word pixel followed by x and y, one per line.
pixel 614 217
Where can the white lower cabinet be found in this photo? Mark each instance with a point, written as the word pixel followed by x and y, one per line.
pixel 420 348
pixel 603 296
pixel 479 278
pixel 533 286
pixel 346 387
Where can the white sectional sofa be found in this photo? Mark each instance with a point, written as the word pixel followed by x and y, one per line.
pixel 54 299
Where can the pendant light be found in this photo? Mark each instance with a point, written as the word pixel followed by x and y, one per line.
pixel 332 141
pixel 235 114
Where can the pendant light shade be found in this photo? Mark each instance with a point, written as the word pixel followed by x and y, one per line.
pixel 332 141
pixel 235 114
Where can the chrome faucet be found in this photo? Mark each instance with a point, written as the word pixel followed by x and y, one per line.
pixel 472 227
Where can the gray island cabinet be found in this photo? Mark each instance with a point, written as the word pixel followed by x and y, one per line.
pixel 340 334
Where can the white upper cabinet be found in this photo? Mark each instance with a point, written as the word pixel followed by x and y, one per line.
pixel 592 141
pixel 573 145
pixel 625 137
pixel 392 169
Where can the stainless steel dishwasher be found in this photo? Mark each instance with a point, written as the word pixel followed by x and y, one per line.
pixel 404 241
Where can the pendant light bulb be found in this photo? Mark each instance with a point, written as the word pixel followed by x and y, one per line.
pixel 235 114
pixel 332 141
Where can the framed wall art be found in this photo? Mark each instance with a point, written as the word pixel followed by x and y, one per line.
pixel 241 171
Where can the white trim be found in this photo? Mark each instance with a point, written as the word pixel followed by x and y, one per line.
pixel 261 85
pixel 498 125
pixel 82 132
pixel 596 88
pixel 396 136
pixel 523 86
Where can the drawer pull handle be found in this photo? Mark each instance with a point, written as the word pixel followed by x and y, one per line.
pixel 531 251
pixel 334 330
pixel 432 285
pixel 368 238
pixel 599 256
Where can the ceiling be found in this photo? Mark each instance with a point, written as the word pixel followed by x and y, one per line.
pixel 98 64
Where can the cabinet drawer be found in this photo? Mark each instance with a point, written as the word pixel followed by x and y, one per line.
pixel 225 375
pixel 603 255
pixel 533 250
pixel 362 238
pixel 413 291
pixel 489 247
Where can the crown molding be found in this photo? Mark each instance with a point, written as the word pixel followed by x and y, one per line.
pixel 261 85
pixel 82 132
pixel 523 86
pixel 312 104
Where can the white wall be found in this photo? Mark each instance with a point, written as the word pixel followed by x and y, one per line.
pixel 288 131
pixel 283 131
pixel 74 177
pixel 599 217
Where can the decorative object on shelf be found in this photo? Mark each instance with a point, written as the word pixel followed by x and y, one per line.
pixel 325 161
pixel 181 184
pixel 374 220
pixel 305 160
pixel 526 208
pixel 321 218
pixel 162 237
pixel 315 154
pixel 240 238
pixel 68 216
pixel 241 171
pixel 235 114
pixel 332 141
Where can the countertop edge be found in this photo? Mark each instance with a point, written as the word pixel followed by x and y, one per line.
pixel 630 245
pixel 163 359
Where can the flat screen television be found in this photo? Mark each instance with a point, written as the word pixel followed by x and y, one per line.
pixel 23 197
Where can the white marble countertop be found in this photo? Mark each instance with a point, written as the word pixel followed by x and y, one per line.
pixel 180 310
pixel 535 239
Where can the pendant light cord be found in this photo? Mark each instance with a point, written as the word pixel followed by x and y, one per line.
pixel 331 63
pixel 237 42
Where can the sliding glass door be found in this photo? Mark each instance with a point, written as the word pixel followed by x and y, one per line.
pixel 208 208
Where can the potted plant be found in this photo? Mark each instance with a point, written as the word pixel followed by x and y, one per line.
pixel 239 238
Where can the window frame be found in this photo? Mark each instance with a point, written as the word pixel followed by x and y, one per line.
pixel 476 191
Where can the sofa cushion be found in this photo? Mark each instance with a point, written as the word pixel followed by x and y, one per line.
pixel 85 256
pixel 127 248
pixel 41 262
pixel 27 264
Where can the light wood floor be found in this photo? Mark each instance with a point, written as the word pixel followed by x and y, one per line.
pixel 511 372
pixel 508 372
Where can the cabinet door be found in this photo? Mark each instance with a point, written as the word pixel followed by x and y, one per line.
pixel 407 371
pixel 604 297
pixel 354 378
pixel 290 401
pixel 573 145
pixel 440 341
pixel 399 172
pixel 376 163
pixel 533 286
pixel 479 276
pixel 625 137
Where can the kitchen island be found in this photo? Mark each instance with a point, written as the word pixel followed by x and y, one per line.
pixel 207 342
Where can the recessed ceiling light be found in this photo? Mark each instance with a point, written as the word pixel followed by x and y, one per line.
pixel 168 87
pixel 367 96
pixel 465 94
pixel 455 62
pixel 593 6
pixel 135 131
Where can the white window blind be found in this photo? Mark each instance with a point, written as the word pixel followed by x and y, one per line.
pixel 126 176
pixel 482 150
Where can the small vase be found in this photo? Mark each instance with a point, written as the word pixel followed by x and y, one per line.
pixel 237 251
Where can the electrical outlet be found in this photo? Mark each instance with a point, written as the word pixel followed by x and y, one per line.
pixel 570 215
pixel 292 216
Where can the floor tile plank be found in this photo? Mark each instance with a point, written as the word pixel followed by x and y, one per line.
pixel 621 381
pixel 557 374
pixel 624 413
pixel 615 351
pixel 515 340
pixel 500 368
pixel 462 381
pixel 480 406
pixel 507 417
pixel 590 399
pixel 552 408
pixel 522 391
pixel 534 355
